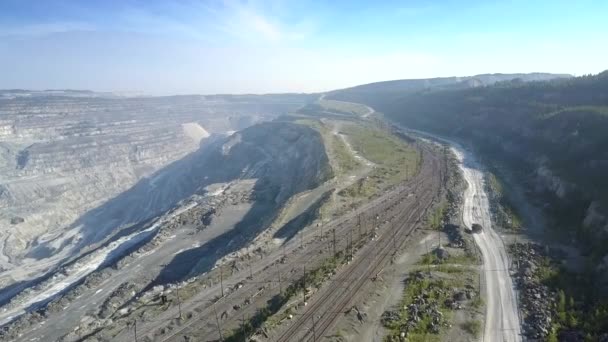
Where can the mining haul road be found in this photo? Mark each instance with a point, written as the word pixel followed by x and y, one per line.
pixel 502 320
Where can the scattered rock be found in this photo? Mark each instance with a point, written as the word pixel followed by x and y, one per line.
pixel 442 253
pixel 17 220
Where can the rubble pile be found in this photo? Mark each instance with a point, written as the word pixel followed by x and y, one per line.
pixel 117 298
pixel 424 308
pixel 454 235
pixel 538 303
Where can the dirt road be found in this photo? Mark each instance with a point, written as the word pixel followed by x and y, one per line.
pixel 502 320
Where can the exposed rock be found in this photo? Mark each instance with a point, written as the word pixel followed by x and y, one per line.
pixel 442 254
pixel 537 301
pixel 17 220
pixel 63 156
pixel 460 295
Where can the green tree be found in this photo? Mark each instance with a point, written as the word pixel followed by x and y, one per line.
pixel 561 306
pixel 572 320
pixel 552 336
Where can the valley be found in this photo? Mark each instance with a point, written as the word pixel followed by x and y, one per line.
pixel 539 142
pixel 243 212
pixel 307 171
pixel 310 219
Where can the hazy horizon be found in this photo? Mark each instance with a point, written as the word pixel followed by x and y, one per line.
pixel 195 47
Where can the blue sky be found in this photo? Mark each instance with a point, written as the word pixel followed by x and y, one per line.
pixel 182 47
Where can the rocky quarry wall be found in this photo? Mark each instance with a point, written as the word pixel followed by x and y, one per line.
pixel 62 157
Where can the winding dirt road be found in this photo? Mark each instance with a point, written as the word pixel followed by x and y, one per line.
pixel 502 320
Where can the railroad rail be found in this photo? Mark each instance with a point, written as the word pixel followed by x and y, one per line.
pixel 334 300
pixel 387 205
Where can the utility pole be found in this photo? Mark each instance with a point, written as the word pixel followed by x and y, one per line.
pixel 217 321
pixel 222 281
pixel 479 294
pixel 304 285
pixel 351 242
pixel 333 231
pixel 359 225
pixel 179 303
pixel 314 334
pixel 243 327
pixel 250 270
pixel 429 254
pixel 395 240
pixel 135 329
pixel 439 238
pixel 279 274
pixel 301 239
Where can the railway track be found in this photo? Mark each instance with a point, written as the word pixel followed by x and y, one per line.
pixel 269 278
pixel 203 321
pixel 324 311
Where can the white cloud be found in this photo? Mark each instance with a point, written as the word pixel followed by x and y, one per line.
pixel 247 22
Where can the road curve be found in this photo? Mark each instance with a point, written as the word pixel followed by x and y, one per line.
pixel 502 320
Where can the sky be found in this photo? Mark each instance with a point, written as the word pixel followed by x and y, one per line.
pixel 208 47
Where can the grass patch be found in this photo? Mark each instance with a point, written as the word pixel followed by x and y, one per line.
pixel 378 146
pixel 457 259
pixel 344 107
pixel 477 302
pixel 345 160
pixel 494 184
pixel 436 217
pixel 341 159
pixel 395 160
pixel 473 327
pixel 435 292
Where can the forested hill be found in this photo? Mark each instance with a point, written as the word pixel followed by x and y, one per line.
pixel 389 91
pixel 552 133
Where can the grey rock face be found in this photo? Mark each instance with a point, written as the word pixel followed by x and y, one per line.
pixel 61 157
pixel 269 163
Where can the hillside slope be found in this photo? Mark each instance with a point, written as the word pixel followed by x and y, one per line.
pixel 552 132
pixel 63 156
pixel 232 190
pixel 550 139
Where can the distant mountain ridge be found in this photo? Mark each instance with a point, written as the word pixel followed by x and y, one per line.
pixel 551 132
pixel 379 93
pixel 440 82
pixel 549 142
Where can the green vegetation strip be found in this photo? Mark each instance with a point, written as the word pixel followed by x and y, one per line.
pixel 342 159
pixel 433 291
pixel 579 307
pixel 505 214
pixel 344 107
pixel 395 160
pixel 601 110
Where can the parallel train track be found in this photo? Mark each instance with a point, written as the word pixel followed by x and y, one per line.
pixel 382 206
pixel 322 314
